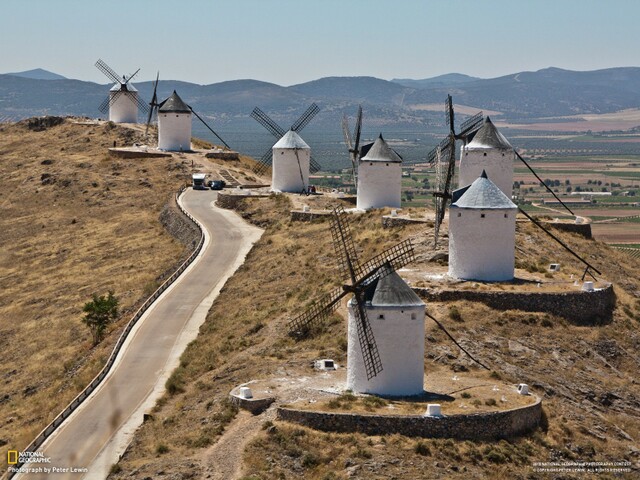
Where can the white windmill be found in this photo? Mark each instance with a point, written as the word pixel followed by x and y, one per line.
pixel 490 151
pixel 377 169
pixel 396 315
pixel 174 124
pixel 385 348
pixel 123 101
pixel 379 176
pixel 290 164
pixel 482 230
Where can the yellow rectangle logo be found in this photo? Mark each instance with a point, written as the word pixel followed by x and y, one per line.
pixel 12 457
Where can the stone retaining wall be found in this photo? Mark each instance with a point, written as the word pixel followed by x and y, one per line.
pixel 300 216
pixel 479 426
pixel 121 153
pixel 223 155
pixel 582 308
pixel 388 221
pixel 254 405
pixel 583 229
pixel 230 201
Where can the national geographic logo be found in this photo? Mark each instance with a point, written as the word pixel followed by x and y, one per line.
pixel 14 457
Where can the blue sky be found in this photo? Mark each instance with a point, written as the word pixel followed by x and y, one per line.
pixel 293 41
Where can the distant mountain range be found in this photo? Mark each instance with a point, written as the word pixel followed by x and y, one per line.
pixel 397 104
pixel 38 74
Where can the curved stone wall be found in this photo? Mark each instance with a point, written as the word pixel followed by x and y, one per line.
pixel 582 308
pixel 479 426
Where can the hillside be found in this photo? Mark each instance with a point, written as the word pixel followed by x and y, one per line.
pixel 586 375
pixel 75 222
pixel 547 92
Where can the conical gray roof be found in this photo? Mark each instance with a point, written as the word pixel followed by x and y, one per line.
pixel 174 104
pixel 292 140
pixel 489 137
pixel 380 151
pixel 481 194
pixel 391 291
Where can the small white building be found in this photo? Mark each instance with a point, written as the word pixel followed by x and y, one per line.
pixel 482 231
pixel 174 125
pixel 396 315
pixel 379 177
pixel 123 103
pixel 290 166
pixel 490 151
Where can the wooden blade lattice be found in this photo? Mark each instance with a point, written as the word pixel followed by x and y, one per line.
pixel 368 345
pixel 301 326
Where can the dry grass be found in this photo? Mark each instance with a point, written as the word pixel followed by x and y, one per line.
pixel 75 222
pixel 573 368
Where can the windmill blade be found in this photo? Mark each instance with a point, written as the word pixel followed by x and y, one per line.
pixel 450 116
pixel 346 133
pixel 104 106
pixel 303 324
pixel 443 146
pixel 114 97
pixel 108 71
pixel 266 121
pixel 395 257
pixel 153 104
pixel 210 129
pixel 314 166
pixel 444 195
pixel 343 244
pixel 357 131
pixel 470 125
pixel 139 103
pixel 305 118
pixel 368 346
pixel 264 163
pixel 128 79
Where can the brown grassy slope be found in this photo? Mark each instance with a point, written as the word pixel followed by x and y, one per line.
pixel 74 222
pixel 585 374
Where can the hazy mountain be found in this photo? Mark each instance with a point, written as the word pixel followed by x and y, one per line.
pixel 38 74
pixel 353 89
pixel 547 92
pixel 524 95
pixel 447 79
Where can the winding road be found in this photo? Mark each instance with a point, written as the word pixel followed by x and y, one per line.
pixel 95 435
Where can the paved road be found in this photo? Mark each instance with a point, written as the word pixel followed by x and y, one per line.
pixel 99 431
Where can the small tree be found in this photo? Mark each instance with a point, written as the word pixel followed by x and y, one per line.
pixel 98 314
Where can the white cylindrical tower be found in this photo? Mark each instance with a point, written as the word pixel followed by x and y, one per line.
pixel 123 103
pixel 174 124
pixel 490 151
pixel 482 230
pixel 396 315
pixel 290 167
pixel 379 177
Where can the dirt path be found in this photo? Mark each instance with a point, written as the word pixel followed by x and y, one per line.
pixel 223 461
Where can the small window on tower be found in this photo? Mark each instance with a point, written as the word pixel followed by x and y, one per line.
pixel 413 316
pixel 506 215
pixel 381 317
pixel 482 215
pixel 177 115
pixel 370 164
pixel 485 154
pixel 387 164
pixel 459 214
